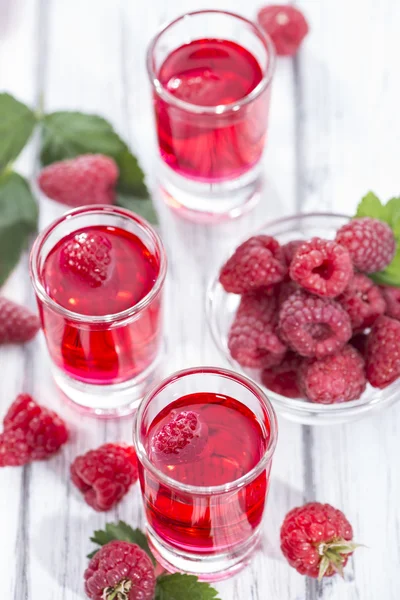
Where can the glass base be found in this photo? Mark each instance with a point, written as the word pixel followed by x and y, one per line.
pixel 206 567
pixel 210 202
pixel 115 400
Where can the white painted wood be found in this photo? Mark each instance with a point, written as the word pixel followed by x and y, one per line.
pixel 333 134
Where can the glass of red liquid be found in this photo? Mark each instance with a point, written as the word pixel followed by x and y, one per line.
pixel 98 275
pixel 205 438
pixel 211 74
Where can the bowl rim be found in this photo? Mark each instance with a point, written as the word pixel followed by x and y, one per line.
pixel 293 405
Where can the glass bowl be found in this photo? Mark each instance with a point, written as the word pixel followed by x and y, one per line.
pixel 221 309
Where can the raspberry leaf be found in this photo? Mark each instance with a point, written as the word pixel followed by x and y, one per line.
pixel 182 587
pixel 144 208
pixel 68 134
pixel 17 122
pixel 18 220
pixel 371 206
pixel 123 532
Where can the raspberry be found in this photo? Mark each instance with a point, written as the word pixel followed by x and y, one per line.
pixel 253 340
pixel 86 179
pixel 17 323
pixel 286 26
pixel 87 256
pixel 392 297
pixel 383 352
pixel 120 571
pixel 286 289
pixel 313 326
pixel 256 263
pixel 316 539
pixel 105 475
pixel 322 267
pixel 282 379
pixel 289 250
pixel 363 301
pixel 370 242
pixel 181 440
pixel 337 378
pixel 31 432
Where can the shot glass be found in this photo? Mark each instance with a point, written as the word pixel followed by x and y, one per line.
pixel 211 74
pixel 98 274
pixel 205 438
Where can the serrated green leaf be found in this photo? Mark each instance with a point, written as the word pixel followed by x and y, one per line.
pixel 371 206
pixel 17 122
pixel 131 176
pixel 68 134
pixel 123 532
pixel 183 587
pixel 144 208
pixel 18 220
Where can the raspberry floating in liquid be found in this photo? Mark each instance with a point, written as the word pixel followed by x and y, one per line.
pixel 370 242
pixel 120 571
pixel 31 432
pixel 105 475
pixel 321 267
pixel 88 257
pixel 257 263
pixel 181 440
pixel 316 539
pixel 286 26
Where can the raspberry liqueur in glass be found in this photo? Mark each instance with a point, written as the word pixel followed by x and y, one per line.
pixel 211 73
pixel 98 276
pixel 205 439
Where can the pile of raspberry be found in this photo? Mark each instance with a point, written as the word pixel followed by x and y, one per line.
pixel 311 320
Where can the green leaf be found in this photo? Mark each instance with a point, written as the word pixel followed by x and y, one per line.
pixel 68 134
pixel 131 176
pixel 17 122
pixel 18 220
pixel 144 208
pixel 371 206
pixel 123 532
pixel 183 587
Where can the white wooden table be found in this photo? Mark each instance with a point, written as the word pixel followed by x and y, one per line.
pixel 334 134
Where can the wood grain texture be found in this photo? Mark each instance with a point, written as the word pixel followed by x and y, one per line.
pixel 333 135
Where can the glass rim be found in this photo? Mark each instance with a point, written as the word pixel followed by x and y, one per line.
pixel 216 489
pixel 219 109
pixel 126 314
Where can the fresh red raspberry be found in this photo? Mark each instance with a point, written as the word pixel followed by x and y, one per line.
pixel 86 179
pixel 17 323
pixel 333 379
pixel 286 26
pixel 359 341
pixel 257 263
pixel 282 379
pixel 316 539
pixel 120 571
pixel 313 326
pixel 370 242
pixel 363 301
pixel 31 432
pixel 383 352
pixel 88 256
pixel 289 250
pixel 105 475
pixel 392 298
pixel 181 440
pixel 322 267
pixel 286 289
pixel 253 340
